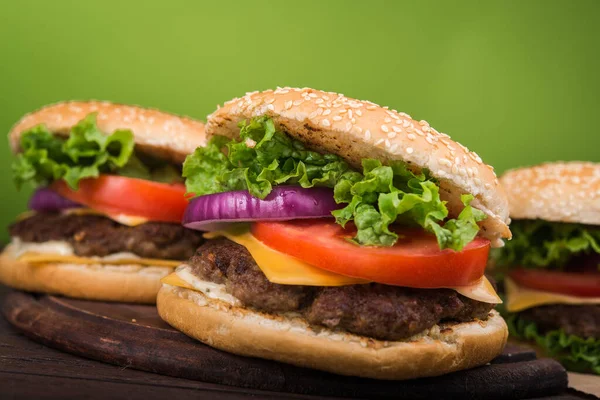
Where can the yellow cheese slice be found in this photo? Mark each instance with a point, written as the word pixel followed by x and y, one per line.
pixel 482 291
pixel 123 219
pixel 519 298
pixel 174 280
pixel 38 258
pixel 281 268
pixel 286 270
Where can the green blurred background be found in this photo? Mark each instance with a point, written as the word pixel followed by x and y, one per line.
pixel 516 81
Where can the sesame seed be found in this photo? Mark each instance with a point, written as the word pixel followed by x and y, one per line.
pixel 313 95
pixel 288 104
pixel 392 135
pixel 368 134
pixel 411 136
pixel 371 108
pixel 348 126
pixel 445 161
pixel 271 107
pixel 387 120
pixel 378 142
pixel 327 112
pixel 387 143
pixel 384 128
pixel 359 113
pixel 325 122
pixel 319 101
pixel 349 113
pixel 409 150
pixel 337 118
pixel 396 129
pixel 298 102
pixel 270 101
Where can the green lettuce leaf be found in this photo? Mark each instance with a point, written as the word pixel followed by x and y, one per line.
pixel 379 196
pixel 157 172
pixel 575 353
pixel 85 154
pixel 542 244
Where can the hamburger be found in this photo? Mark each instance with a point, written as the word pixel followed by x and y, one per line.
pixel 341 236
pixel 551 267
pixel 105 220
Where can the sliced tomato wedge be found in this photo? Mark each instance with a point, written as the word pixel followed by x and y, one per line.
pixel 585 284
pixel 121 195
pixel 415 260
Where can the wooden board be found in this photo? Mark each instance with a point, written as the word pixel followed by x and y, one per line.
pixel 134 336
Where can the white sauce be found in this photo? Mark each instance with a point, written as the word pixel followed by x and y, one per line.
pixel 209 289
pixel 60 248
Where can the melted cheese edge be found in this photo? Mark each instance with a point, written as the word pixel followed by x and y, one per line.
pixel 62 252
pixel 286 270
pixel 123 219
pixel 519 298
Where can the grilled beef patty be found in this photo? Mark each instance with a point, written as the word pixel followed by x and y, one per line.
pixel 94 235
pixel 580 320
pixel 373 310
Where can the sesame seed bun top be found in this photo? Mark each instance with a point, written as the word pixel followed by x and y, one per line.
pixel 355 130
pixel 157 133
pixel 560 192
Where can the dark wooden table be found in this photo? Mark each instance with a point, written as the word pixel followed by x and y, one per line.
pixel 29 370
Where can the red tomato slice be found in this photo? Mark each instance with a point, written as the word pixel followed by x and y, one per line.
pixel 571 283
pixel 113 194
pixel 415 261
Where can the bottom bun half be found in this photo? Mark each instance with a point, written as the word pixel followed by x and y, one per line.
pixel 122 283
pixel 440 350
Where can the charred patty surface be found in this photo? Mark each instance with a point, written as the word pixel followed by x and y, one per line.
pixel 580 320
pixel 94 235
pixel 373 310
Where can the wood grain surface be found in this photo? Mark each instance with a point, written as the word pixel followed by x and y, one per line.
pixel 133 337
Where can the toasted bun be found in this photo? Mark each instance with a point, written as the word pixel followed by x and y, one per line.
pixel 356 130
pixel 560 191
pixel 444 349
pixel 131 284
pixel 163 135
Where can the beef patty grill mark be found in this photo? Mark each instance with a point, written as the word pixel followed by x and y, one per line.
pixel 373 310
pixel 94 235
